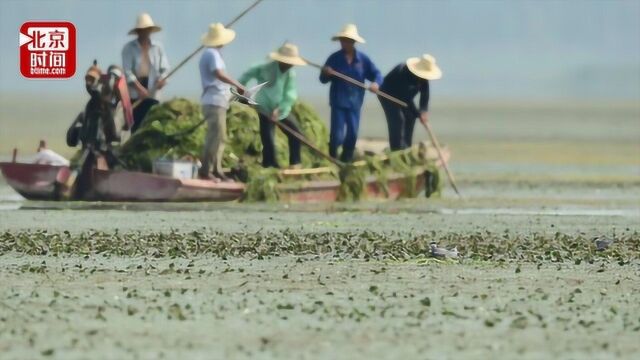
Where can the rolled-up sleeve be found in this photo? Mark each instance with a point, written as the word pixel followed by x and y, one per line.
pixel 373 74
pixel 424 97
pixel 326 78
pixel 129 63
pixel 289 95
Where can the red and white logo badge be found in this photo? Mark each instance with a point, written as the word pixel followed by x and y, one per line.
pixel 47 49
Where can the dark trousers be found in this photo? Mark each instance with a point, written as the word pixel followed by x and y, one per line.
pixel 344 119
pixel 400 123
pixel 141 111
pixel 267 135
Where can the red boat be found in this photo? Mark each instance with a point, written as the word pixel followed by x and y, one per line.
pixel 50 182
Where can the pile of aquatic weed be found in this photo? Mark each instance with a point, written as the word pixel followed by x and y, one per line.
pixel 171 130
pixel 480 246
pixel 176 129
pixel 409 163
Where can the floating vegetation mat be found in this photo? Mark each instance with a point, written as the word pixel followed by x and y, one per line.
pixel 481 246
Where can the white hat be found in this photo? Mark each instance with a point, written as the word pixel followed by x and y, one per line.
pixel 424 67
pixel 288 54
pixel 349 31
pixel 144 21
pixel 217 35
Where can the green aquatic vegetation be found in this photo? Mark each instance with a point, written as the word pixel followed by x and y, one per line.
pixel 244 147
pixel 352 183
pixel 262 184
pixel 170 130
pixel 474 248
pixel 176 130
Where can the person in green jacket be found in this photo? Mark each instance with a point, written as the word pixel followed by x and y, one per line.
pixel 276 99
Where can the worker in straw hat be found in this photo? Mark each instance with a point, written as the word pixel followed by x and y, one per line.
pixel 215 98
pixel 404 82
pixel 276 99
pixel 345 98
pixel 145 63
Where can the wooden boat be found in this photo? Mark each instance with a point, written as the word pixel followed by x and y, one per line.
pixel 50 182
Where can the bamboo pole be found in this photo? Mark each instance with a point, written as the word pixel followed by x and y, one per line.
pixel 360 84
pixel 192 54
pixel 286 129
pixel 311 171
pixel 434 140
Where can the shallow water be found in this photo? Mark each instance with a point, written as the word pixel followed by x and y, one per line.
pixel 545 173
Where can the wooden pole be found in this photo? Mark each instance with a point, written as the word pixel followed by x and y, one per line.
pixel 360 84
pixel 190 56
pixel 434 140
pixel 286 129
pixel 15 155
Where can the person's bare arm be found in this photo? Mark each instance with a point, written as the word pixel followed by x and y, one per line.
pixel 229 80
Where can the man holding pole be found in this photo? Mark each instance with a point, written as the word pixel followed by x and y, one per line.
pixel 215 98
pixel 404 82
pixel 275 101
pixel 345 98
pixel 145 64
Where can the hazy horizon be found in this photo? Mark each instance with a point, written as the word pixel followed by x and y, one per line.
pixel 524 50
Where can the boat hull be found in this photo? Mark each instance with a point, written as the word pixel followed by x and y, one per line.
pixel 137 186
pixel 36 181
pixel 48 182
pixel 327 191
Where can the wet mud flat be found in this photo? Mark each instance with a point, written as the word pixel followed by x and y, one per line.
pixel 341 294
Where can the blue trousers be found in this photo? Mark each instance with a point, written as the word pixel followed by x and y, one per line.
pixel 344 132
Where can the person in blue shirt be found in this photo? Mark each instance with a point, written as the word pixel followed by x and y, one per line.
pixel 346 99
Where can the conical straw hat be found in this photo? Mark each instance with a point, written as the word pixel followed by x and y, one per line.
pixel 218 35
pixel 424 67
pixel 349 31
pixel 144 21
pixel 288 54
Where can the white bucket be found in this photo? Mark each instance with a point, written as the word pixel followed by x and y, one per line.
pixel 174 168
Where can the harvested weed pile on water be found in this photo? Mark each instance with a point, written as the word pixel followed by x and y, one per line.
pixel 485 246
pixel 176 130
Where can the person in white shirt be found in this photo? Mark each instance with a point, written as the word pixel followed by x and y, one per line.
pixel 49 157
pixel 215 99
pixel 145 64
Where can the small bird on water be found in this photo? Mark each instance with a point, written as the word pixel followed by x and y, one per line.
pixel 602 242
pixel 442 252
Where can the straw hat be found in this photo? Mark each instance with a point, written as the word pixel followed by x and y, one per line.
pixel 144 21
pixel 424 67
pixel 217 35
pixel 349 31
pixel 288 54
